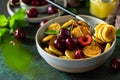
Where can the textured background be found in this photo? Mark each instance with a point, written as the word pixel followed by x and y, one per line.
pixel 40 70
pixel 3 7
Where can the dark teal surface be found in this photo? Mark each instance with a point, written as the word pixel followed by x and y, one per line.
pixel 38 69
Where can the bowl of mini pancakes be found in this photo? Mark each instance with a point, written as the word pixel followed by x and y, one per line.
pixel 70 45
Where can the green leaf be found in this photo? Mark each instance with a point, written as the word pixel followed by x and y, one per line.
pixel 3 21
pixel 3 33
pixel 118 33
pixel 51 32
pixel 18 20
pixel 73 10
pixel 17 57
pixel 20 14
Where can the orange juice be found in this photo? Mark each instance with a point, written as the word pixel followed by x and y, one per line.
pixel 102 9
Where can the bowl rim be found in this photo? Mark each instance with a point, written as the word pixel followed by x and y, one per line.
pixel 86 59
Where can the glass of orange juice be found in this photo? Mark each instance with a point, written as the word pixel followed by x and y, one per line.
pixel 102 8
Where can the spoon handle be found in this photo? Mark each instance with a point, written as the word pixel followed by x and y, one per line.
pixel 64 9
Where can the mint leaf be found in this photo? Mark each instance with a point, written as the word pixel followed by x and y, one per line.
pixel 20 14
pixel 3 21
pixel 118 33
pixel 18 20
pixel 51 32
pixel 3 33
pixel 73 10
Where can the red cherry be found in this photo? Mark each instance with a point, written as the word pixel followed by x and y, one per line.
pixel 115 64
pixel 79 54
pixel 59 44
pixel 32 13
pixel 35 3
pixel 27 2
pixel 43 22
pixel 14 2
pixel 85 40
pixel 71 43
pixel 19 34
pixel 64 33
pixel 44 2
pixel 52 10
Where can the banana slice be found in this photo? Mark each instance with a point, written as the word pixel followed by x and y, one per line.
pixel 97 40
pixel 54 26
pixel 91 51
pixel 70 54
pixel 98 27
pixel 69 23
pixel 53 49
pixel 85 30
pixel 81 23
pixel 64 57
pixel 108 45
pixel 76 32
pixel 47 50
pixel 108 33
pixel 100 34
pixel 47 38
pixel 99 45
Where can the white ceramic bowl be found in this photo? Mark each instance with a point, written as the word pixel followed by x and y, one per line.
pixel 42 9
pixel 72 66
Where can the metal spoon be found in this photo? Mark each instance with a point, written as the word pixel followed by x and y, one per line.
pixel 67 11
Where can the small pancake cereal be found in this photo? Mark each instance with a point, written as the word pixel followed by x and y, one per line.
pixel 74 39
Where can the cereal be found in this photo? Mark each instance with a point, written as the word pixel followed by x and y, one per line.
pixel 74 34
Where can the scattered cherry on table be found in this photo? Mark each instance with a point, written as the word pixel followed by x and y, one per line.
pixel 43 22
pixel 115 64
pixel 19 33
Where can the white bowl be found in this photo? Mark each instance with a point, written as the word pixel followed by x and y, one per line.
pixel 76 65
pixel 41 16
pixel 42 9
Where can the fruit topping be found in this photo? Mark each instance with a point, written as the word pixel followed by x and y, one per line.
pixel 74 40
pixel 64 33
pixel 43 2
pixel 109 33
pixel 52 10
pixel 76 32
pixel 53 49
pixel 27 1
pixel 47 38
pixel 108 45
pixel 59 44
pixel 54 26
pixel 71 43
pixel 79 54
pixel 32 13
pixel 115 64
pixel 35 3
pixel 19 34
pixel 43 22
pixel 85 40
pixel 14 2
pixel 105 32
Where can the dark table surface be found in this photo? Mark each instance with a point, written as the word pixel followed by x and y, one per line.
pixel 38 69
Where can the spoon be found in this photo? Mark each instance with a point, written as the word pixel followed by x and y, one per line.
pixel 67 11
